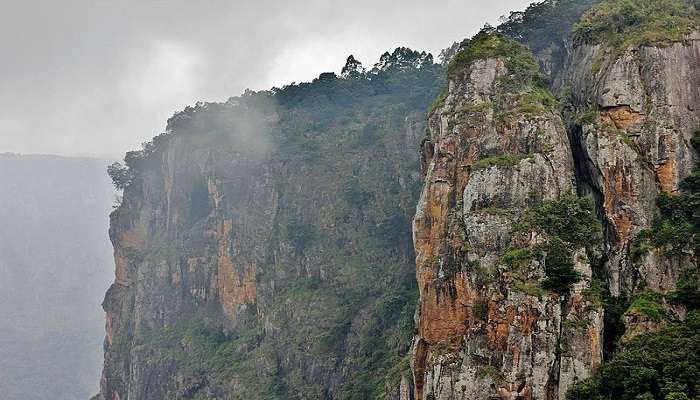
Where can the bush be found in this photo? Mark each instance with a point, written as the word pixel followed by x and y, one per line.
pixel 570 218
pixel 687 290
pixel 121 175
pixel 502 160
pixel 649 304
pixel 568 223
pixel 559 267
pixel 625 23
pixel 659 365
pixel 678 226
pixel 521 64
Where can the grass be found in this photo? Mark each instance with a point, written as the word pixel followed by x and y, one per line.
pixel 489 371
pixel 501 160
pixel 576 324
pixel 529 288
pixel 515 257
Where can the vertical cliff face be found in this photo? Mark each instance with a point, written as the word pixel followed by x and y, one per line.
pixel 499 155
pixel 262 246
pixel 539 240
pixel 636 113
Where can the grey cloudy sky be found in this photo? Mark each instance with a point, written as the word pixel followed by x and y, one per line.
pixel 100 77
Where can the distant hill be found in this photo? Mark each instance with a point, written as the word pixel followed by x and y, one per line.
pixel 55 263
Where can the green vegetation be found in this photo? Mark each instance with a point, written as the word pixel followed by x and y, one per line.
pixel 677 230
pixel 514 257
pixel 536 101
pixel 569 223
pixel 489 371
pixel 649 304
pixel 501 160
pixel 570 218
pixel 203 346
pixel 662 365
pixel 120 174
pixel 559 266
pixel 521 64
pixel 501 212
pixel 625 23
pixel 576 324
pixel 687 290
pixel 439 100
pixel 529 288
pixel 544 23
pixel 335 267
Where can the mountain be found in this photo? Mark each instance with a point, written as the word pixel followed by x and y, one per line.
pixel 556 226
pixel 55 262
pixel 264 248
pixel 263 245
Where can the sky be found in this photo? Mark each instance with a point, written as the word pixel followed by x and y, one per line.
pixel 100 77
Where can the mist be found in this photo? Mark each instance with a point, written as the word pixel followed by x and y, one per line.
pixel 100 78
pixel 55 264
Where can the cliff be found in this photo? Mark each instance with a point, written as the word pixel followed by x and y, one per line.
pixel 263 245
pixel 263 248
pixel 521 296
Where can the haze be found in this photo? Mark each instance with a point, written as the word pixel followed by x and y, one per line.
pixel 100 77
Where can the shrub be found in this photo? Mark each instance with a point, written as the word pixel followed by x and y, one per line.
pixel 624 23
pixel 559 267
pixel 121 175
pixel 650 304
pixel 568 223
pixel 521 64
pixel 570 218
pixel 678 226
pixel 687 290
pixel 501 160
pixel 659 365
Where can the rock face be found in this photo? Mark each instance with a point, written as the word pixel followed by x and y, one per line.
pixel 483 330
pixel 637 111
pixel 262 246
pixel 495 152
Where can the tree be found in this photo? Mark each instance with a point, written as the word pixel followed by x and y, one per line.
pixel 120 174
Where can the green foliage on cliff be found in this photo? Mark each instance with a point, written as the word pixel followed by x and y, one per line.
pixel 687 290
pixel 521 64
pixel 568 223
pixel 662 365
pixel 501 160
pixel 625 23
pixel 544 24
pixel 570 218
pixel 677 229
pixel 335 273
pixel 649 304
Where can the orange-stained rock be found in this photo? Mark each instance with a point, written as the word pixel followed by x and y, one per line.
pixel 445 309
pixel 235 288
pixel 621 116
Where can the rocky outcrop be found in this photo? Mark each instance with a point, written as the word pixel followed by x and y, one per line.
pixel 636 113
pixel 485 330
pixel 262 246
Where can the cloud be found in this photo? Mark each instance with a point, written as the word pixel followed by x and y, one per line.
pixel 99 77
